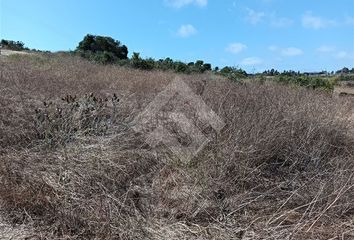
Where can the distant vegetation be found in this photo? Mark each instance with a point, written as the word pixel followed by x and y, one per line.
pixel 233 73
pixel 321 80
pixel 102 49
pixel 106 50
pixel 13 45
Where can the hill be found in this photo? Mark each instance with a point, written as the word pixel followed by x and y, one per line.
pixel 73 167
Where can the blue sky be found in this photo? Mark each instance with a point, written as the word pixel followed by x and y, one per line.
pixel 305 35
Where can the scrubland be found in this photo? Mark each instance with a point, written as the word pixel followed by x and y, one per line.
pixel 72 167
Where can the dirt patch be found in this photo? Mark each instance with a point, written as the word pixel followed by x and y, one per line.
pixel 5 52
pixel 348 91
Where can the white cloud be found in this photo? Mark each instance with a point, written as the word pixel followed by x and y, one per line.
pixel 335 52
pixel 344 55
pixel 182 3
pixel 254 17
pixel 288 52
pixel 236 48
pixel 186 31
pixel 325 49
pixel 201 3
pixel 251 61
pixel 281 22
pixel 291 51
pixel 314 22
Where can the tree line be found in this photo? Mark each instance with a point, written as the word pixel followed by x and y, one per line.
pixel 106 50
pixel 13 45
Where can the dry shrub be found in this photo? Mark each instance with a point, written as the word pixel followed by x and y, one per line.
pixel 59 122
pixel 281 168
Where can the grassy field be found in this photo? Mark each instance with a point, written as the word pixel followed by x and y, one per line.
pixel 71 167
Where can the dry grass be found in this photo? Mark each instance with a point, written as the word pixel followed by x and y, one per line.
pixel 282 168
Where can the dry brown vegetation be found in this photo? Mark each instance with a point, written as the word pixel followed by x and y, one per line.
pixel 73 168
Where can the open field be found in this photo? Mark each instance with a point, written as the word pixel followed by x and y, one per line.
pixel 71 167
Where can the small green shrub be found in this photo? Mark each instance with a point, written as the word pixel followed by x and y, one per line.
pixel 306 81
pixel 233 73
pixel 181 67
pixel 346 77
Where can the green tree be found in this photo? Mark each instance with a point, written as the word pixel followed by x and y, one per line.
pixel 144 64
pixel 345 70
pixel 199 63
pixel 181 67
pixel 13 45
pixel 233 73
pixel 102 49
pixel 207 67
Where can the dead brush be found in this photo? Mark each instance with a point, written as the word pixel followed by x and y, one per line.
pixel 57 122
pixel 281 168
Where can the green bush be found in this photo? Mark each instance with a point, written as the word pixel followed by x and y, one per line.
pixel 271 72
pixel 306 81
pixel 207 67
pixel 181 67
pixel 103 57
pixel 13 45
pixel 233 73
pixel 106 50
pixel 144 64
pixel 168 64
pixel 102 49
pixel 347 77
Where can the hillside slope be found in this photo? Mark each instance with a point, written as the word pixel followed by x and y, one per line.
pixel 72 167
